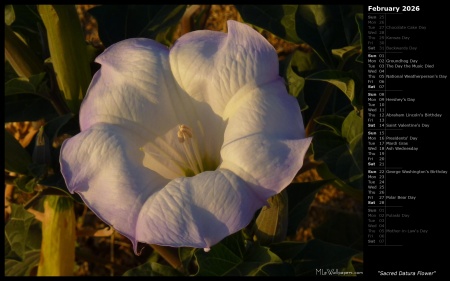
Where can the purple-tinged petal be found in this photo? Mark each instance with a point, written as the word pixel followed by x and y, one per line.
pixel 133 84
pixel 144 128
pixel 264 140
pixel 197 211
pixel 135 88
pixel 104 166
pixel 212 66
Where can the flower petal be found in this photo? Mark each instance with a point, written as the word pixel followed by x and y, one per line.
pixel 134 76
pixel 104 166
pixel 226 91
pixel 212 66
pixel 197 211
pixel 265 140
pixel 135 88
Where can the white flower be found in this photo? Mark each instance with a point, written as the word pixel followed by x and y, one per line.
pixel 181 147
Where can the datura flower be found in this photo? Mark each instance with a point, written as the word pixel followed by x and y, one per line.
pixel 180 147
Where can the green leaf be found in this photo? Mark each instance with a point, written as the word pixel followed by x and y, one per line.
pixel 254 257
pixel 323 27
pixel 9 253
pixel 37 170
pixel 335 151
pixel 342 80
pixel 10 16
pixel 35 85
pixel 16 230
pixel 186 255
pixel 68 52
pixel 165 37
pixel 17 159
pixel 161 26
pixel 306 63
pixel 352 130
pixel 119 22
pixel 356 171
pixel 222 257
pixel 352 127
pixel 294 82
pixel 278 19
pixel 342 228
pixel 21 57
pixel 287 250
pixel 294 68
pixel 22 268
pixel 27 99
pixel 358 262
pixel 234 256
pixel 360 93
pixel 10 73
pixel 28 23
pixel 345 53
pixel 354 190
pixel 152 269
pixel 34 237
pixel 57 182
pixel 333 122
pixel 19 86
pixel 41 154
pixel 359 17
pixel 273 269
pixel 318 254
pixel 53 126
pixel 315 254
pixel 328 146
pixel 27 107
pixel 272 221
pixel 301 195
pixel 56 127
pixel 295 85
pixel 22 182
pixel 315 25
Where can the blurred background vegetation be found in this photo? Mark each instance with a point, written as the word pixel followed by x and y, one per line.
pixel 327 87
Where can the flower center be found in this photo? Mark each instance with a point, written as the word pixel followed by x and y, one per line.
pixel 191 151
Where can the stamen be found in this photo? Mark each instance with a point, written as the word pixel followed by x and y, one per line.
pixel 190 146
pixel 184 133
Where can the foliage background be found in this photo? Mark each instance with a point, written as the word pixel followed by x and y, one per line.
pixel 322 68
